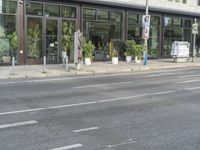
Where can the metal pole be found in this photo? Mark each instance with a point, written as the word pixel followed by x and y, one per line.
pixel 146 41
pixel 194 43
pixel 44 64
pixel 13 65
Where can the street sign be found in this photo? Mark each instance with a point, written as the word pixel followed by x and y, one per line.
pixel 146 20
pixel 195 28
pixel 145 33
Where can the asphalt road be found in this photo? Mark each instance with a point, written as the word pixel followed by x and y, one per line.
pixel 157 110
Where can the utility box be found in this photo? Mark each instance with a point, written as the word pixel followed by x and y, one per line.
pixel 180 51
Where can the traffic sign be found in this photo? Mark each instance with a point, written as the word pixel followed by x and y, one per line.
pixel 195 28
pixel 145 33
pixel 146 20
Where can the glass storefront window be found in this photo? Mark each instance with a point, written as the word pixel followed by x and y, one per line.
pixel 68 29
pixel 104 31
pixel 8 38
pixel 179 30
pixel 34 9
pixel 9 6
pixel 34 38
pixel 52 10
pixel 89 14
pixel 68 12
pixel 102 15
pixel 116 16
pixel 132 19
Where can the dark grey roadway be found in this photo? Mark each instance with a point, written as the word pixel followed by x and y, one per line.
pixel 137 111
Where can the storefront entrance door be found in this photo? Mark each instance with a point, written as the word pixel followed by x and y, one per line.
pixel 52 41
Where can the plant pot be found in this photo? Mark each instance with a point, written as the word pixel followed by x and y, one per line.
pixel 87 61
pixel 64 54
pixel 128 59
pixel 6 59
pixel 137 60
pixel 115 60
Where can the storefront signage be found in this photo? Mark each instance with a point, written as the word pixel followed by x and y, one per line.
pixel 195 28
pixel 145 24
pixel 146 20
pixel 0 6
pixel 78 43
pixel 145 33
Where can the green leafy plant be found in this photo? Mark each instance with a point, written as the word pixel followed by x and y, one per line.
pixel 13 43
pixel 138 51
pixel 33 44
pixel 114 53
pixel 88 49
pixel 153 52
pixel 68 30
pixel 129 47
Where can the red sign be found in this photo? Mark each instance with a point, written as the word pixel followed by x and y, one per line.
pixel 145 33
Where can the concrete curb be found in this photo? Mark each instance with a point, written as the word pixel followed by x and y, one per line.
pixel 90 70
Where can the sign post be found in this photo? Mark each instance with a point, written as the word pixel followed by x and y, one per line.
pixel 1 6
pixel 145 32
pixel 78 43
pixel 194 32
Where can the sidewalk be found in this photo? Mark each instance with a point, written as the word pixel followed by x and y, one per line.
pixel 36 71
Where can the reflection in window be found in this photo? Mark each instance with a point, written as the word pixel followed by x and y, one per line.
pixel 8 37
pixel 9 6
pixel 68 12
pixel 34 38
pixel 89 14
pixel 52 11
pixel 116 16
pixel 102 15
pixel 34 9
pixel 179 30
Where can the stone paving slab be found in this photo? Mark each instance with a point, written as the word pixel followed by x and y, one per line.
pixel 36 71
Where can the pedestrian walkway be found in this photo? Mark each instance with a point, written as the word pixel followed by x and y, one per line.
pixel 36 71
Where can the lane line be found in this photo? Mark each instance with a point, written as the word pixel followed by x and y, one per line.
pixel 95 102
pixel 18 124
pixel 194 88
pixel 68 147
pixel 99 85
pixel 86 129
pixel 129 141
pixel 188 81
pixel 193 75
pixel 85 103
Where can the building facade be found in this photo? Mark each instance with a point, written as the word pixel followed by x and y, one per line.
pixel 31 29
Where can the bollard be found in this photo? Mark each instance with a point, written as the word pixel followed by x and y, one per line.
pixel 13 66
pixel 65 63
pixel 44 64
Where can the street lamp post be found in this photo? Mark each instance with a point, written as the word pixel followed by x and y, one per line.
pixel 146 41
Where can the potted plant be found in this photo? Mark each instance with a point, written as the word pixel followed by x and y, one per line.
pixel 153 52
pixel 129 47
pixel 114 55
pixel 88 49
pixel 138 52
pixel 68 30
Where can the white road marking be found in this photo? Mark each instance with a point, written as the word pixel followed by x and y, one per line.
pixel 95 102
pixel 189 81
pixel 194 75
pixel 194 88
pixel 98 85
pixel 68 147
pixel 18 124
pixel 129 141
pixel 84 103
pixel 86 129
